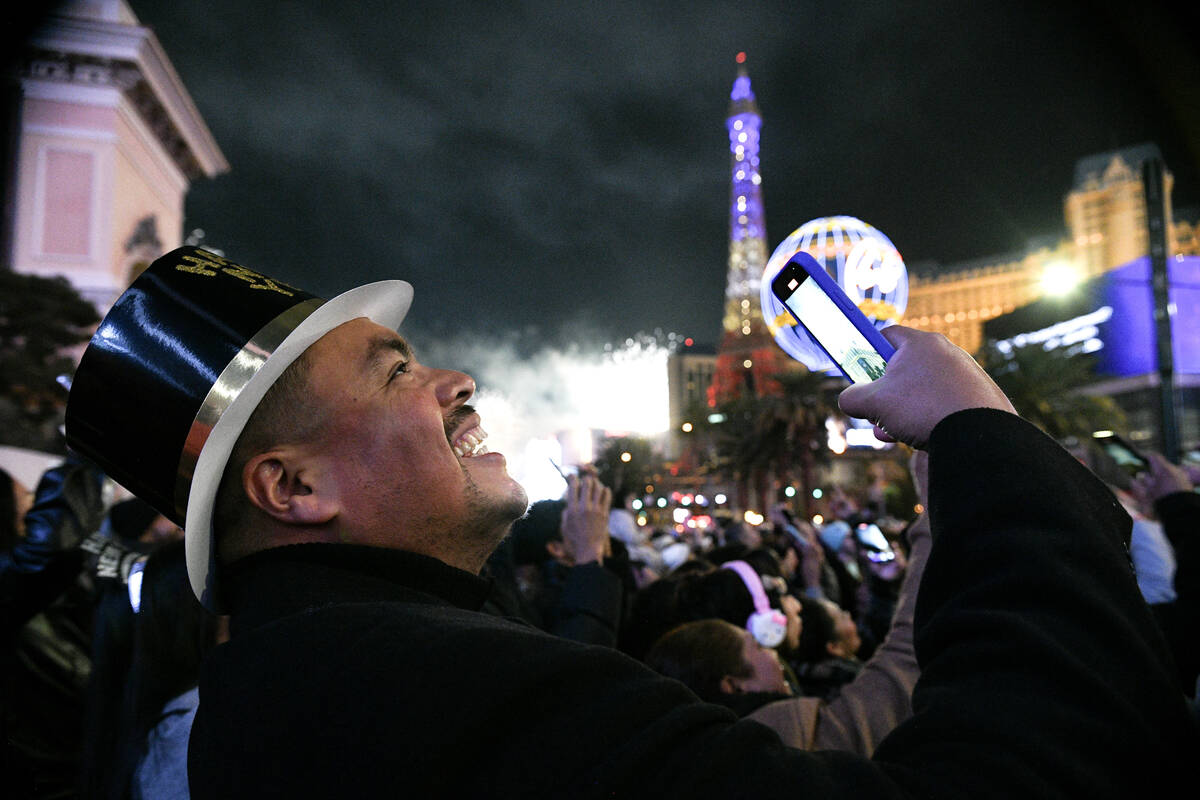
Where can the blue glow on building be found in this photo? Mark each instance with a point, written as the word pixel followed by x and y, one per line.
pixel 1129 337
pixel 1113 317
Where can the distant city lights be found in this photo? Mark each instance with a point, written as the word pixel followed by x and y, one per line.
pixel 565 395
pixel 1083 331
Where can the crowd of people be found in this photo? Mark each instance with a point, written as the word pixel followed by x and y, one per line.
pixel 391 615
pixel 803 627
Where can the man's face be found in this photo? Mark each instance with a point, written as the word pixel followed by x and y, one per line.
pixel 404 452
pixel 791 609
pixel 766 671
pixel 845 632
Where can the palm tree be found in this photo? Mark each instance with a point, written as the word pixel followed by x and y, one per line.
pixel 627 464
pixel 1045 388
pixel 41 320
pixel 775 435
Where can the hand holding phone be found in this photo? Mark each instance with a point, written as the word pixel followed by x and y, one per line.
pixel 928 379
pixel 1122 452
pixel 1160 479
pixel 832 319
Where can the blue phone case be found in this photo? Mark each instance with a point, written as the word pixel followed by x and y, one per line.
pixel 805 263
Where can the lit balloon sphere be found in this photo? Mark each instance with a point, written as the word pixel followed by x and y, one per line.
pixel 860 258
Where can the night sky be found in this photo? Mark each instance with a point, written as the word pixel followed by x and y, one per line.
pixel 547 171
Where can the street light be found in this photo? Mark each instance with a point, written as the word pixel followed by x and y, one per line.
pixel 1060 278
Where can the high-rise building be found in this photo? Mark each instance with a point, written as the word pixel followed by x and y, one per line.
pixel 1105 214
pixel 747 357
pixel 1106 209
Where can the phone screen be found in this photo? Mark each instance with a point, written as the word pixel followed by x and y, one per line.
pixel 828 325
pixel 1126 459
pixel 878 548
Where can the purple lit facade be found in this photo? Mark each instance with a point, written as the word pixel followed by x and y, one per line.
pixel 1129 337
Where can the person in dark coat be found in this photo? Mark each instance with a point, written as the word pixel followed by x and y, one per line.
pixel 1169 491
pixel 358 506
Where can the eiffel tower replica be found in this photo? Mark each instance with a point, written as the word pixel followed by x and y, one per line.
pixel 747 357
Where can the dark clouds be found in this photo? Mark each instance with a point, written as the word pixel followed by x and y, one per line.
pixel 533 165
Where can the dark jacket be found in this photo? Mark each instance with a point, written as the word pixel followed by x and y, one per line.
pixel 366 673
pixel 1180 620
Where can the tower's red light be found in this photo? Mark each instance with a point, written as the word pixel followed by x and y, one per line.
pixel 741 58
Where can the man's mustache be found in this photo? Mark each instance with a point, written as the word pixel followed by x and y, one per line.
pixel 455 420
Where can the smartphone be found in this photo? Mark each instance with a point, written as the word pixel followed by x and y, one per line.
pixel 1122 452
pixel 832 319
pixel 876 545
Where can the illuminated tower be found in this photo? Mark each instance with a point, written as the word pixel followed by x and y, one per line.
pixel 746 357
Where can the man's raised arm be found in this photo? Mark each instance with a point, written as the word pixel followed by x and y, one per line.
pixel 1042 673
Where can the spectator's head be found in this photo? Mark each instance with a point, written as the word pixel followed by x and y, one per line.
pixel 765 562
pixel 836 537
pixel 720 593
pixel 537 536
pixel 743 534
pixel 281 418
pixel 828 631
pixel 392 457
pixel 713 658
pixel 15 501
pixel 134 521
pixel 727 552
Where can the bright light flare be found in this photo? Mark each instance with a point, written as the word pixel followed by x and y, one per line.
pixel 1060 279
pixel 560 394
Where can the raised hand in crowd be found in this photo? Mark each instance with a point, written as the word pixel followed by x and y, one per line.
pixel 1163 478
pixel 585 519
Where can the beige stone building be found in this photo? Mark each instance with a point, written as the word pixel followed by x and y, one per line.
pixel 108 143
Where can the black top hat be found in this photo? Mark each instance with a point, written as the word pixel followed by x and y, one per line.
pixel 177 367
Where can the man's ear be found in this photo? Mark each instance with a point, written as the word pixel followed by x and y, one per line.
pixel 289 489
pixel 557 550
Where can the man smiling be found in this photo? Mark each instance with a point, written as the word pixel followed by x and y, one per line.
pixel 339 505
pixel 387 453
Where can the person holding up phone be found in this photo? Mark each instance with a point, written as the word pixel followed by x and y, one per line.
pixel 357 506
